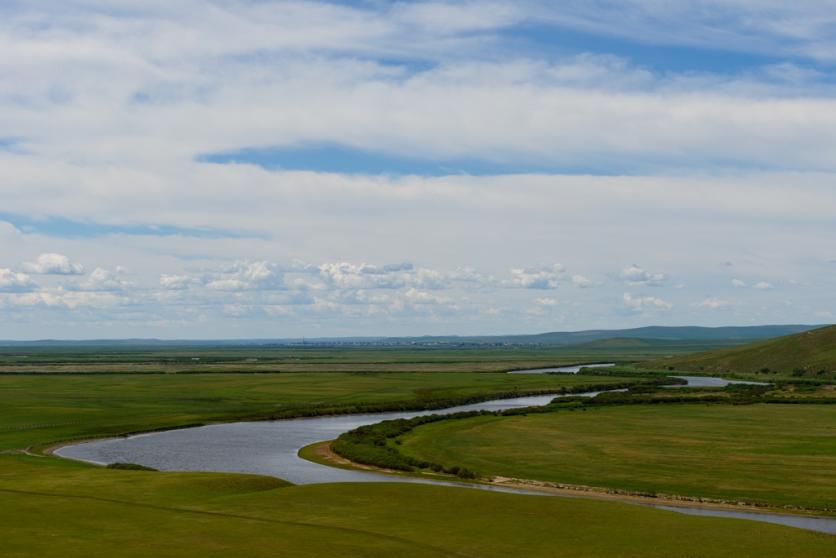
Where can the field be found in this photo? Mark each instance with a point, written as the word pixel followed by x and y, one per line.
pixel 783 455
pixel 43 409
pixel 199 359
pixel 54 507
pixel 63 509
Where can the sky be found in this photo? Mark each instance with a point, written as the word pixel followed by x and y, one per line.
pixel 261 168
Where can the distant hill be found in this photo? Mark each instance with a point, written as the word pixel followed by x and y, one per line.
pixel 637 343
pixel 810 353
pixel 651 335
pixel 681 333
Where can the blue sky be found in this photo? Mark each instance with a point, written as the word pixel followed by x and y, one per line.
pixel 348 168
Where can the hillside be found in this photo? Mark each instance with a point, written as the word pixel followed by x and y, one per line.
pixel 810 353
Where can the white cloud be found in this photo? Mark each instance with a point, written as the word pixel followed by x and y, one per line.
pixel 11 281
pixel 54 264
pixel 769 27
pixel 101 279
pixel 177 282
pixel 415 296
pixel 347 275
pixel 636 276
pixel 639 303
pixel 546 277
pixel 111 107
pixel 581 282
pixel 712 303
pixel 260 275
pixel 762 285
pixel 60 299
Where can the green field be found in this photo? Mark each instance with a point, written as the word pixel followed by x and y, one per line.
pixel 62 509
pixel 773 454
pixel 37 410
pixel 54 507
pixel 88 360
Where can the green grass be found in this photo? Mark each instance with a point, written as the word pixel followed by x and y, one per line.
pixel 38 410
pixel 185 359
pixel 52 507
pixel 809 354
pixel 783 455
pixel 61 509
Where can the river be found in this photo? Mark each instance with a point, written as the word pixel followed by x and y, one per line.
pixel 271 448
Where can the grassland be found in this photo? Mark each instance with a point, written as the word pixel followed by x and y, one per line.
pixel 38 410
pixel 52 507
pixel 155 360
pixel 810 354
pixel 783 455
pixel 62 509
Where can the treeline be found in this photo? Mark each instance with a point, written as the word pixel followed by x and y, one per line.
pixel 129 467
pixel 733 394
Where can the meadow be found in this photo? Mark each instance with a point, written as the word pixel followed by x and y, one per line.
pixel 267 359
pixel 64 509
pixel 55 507
pixel 781 455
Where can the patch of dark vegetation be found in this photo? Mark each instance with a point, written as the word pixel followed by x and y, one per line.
pixel 376 445
pixel 130 467
pixel 733 394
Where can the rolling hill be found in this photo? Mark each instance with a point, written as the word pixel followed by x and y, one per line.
pixel 810 353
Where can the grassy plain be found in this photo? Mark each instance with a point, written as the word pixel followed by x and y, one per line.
pixel 43 409
pixel 52 507
pixel 89 360
pixel 773 454
pixel 64 509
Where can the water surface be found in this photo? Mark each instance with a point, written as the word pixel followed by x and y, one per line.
pixel 710 381
pixel 574 369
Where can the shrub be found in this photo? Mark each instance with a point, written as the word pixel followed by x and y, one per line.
pixel 130 467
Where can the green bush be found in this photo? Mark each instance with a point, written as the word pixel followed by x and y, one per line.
pixel 130 467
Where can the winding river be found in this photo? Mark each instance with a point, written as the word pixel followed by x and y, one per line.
pixel 271 448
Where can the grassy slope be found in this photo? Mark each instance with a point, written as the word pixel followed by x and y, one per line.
pixel 812 350
pixel 778 454
pixel 53 508
pixel 46 409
